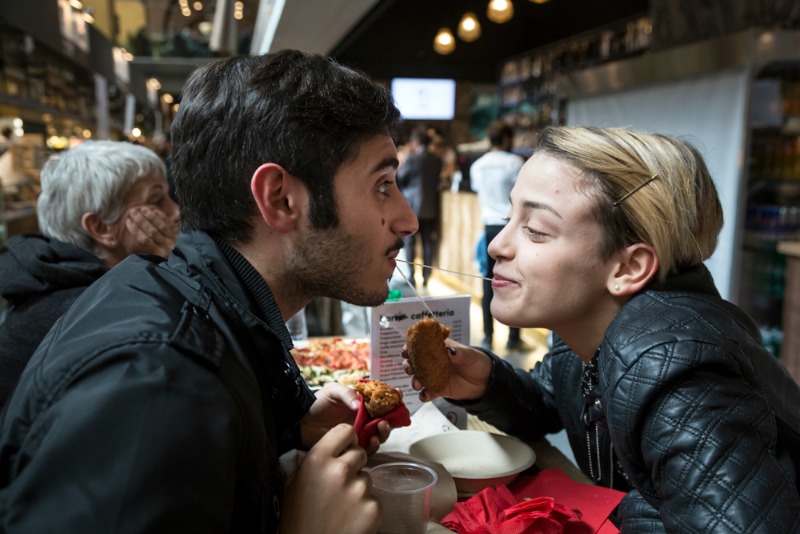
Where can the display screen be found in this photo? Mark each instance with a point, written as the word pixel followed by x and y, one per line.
pixel 425 98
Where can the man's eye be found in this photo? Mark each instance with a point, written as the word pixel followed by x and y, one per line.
pixel 383 187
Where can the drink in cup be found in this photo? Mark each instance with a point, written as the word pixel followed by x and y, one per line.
pixel 404 491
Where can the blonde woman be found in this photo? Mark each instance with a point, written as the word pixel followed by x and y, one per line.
pixel 663 387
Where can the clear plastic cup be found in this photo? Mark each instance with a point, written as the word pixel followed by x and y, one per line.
pixel 404 491
pixel 298 329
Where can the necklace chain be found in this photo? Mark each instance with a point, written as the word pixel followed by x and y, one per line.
pixel 589 380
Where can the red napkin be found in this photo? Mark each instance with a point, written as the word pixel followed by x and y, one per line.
pixel 549 502
pixel 366 427
pixel 594 502
pixel 496 511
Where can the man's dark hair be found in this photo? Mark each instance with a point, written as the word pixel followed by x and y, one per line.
pixel 499 133
pixel 302 111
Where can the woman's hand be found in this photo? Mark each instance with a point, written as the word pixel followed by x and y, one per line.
pixel 470 370
pixel 336 404
pixel 153 231
pixel 329 492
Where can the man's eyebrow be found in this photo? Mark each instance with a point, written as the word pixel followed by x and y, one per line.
pixel 392 163
pixel 532 205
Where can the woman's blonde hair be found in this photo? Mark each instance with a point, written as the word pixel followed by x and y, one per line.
pixel 650 188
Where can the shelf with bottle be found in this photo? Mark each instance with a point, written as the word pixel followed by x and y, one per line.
pixel 529 84
pixel 34 76
pixel 763 284
pixel 772 212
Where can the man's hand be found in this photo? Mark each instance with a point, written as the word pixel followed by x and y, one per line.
pixel 329 492
pixel 336 404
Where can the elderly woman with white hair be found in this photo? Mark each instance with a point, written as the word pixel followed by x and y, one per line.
pixel 101 202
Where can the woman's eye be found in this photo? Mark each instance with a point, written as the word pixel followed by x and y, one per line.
pixel 535 234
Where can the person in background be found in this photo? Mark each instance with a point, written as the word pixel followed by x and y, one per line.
pixel 447 154
pixel 164 398
pixel 162 145
pixel 418 179
pixel 663 387
pixel 8 177
pixel 6 134
pixel 492 178
pixel 100 202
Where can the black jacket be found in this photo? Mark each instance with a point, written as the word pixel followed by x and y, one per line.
pixel 40 278
pixel 159 403
pixel 702 422
pixel 418 179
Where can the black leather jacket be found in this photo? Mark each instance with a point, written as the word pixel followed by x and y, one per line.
pixel 696 420
pixel 159 403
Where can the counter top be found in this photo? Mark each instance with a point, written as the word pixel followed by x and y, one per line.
pixel 790 248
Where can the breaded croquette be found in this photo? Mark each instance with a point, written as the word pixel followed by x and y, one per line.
pixel 427 353
pixel 379 397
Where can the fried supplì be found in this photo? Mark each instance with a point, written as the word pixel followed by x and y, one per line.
pixel 427 353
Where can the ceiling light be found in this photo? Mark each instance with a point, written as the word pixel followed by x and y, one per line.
pixel 500 11
pixel 205 28
pixel 540 1
pixel 469 29
pixel 444 43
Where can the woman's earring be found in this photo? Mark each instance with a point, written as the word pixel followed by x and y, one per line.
pixel 616 287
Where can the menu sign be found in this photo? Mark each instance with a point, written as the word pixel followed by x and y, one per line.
pixel 388 325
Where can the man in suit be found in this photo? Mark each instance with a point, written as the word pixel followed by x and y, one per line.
pixel 418 179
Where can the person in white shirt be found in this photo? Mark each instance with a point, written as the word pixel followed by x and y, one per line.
pixel 492 176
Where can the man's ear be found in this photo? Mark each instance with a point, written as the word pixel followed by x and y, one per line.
pixel 98 230
pixel 638 265
pixel 277 194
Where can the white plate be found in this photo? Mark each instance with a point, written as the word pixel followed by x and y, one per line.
pixel 476 459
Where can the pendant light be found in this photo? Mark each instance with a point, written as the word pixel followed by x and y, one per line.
pixel 500 11
pixel 444 43
pixel 469 29
pixel 540 1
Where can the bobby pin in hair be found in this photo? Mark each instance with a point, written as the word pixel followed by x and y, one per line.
pixel 620 201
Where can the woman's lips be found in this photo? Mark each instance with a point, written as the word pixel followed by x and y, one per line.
pixel 499 281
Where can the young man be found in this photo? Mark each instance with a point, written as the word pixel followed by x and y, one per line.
pixel 161 401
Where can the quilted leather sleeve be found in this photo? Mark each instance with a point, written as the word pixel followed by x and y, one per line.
pixel 697 439
pixel 637 516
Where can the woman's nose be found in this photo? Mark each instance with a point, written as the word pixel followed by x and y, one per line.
pixel 500 245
